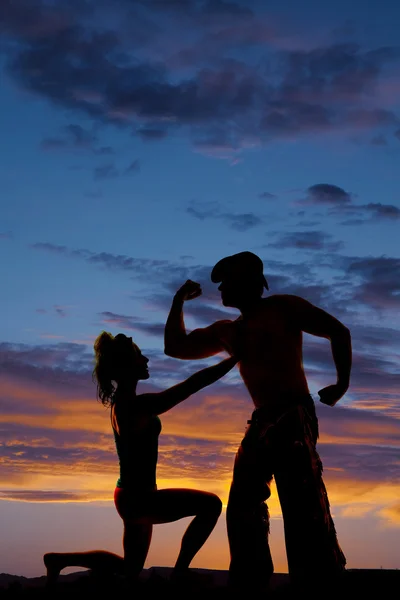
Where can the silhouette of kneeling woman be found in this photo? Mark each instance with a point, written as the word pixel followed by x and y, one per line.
pixel 136 425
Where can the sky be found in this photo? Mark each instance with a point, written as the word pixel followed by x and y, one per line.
pixel 141 142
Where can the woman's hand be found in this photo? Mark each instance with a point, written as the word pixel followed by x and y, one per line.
pixel 233 359
pixel 232 348
pixel 189 290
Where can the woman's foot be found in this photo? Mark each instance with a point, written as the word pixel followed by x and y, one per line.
pixel 53 564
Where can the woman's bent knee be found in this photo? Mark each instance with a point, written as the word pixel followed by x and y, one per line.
pixel 214 504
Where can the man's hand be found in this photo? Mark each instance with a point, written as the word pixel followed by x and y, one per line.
pixel 332 394
pixel 189 290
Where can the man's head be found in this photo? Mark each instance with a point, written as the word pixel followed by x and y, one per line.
pixel 241 278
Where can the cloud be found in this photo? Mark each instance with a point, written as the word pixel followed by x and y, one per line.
pixel 392 513
pixel 218 148
pixel 379 140
pixel 216 141
pixel 306 240
pixel 341 203
pixel 50 425
pixel 361 288
pixel 32 19
pixel 223 8
pixel 379 210
pixel 76 138
pixel 328 194
pixel 108 171
pixel 369 285
pixel 152 134
pixel 133 323
pixel 138 267
pixel 242 222
pixel 366 459
pixel 373 212
pixel 139 71
pixel 238 222
pixel 122 320
pixel 60 311
pixel 134 167
pixel 68 355
pixel 55 435
pixel 306 223
pixel 193 9
pixel 49 496
pixel 267 196
pixel 203 211
pixel 379 281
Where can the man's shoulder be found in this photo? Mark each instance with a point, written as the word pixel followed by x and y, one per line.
pixel 288 305
pixel 224 328
pixel 282 299
pixel 215 328
pixel 223 324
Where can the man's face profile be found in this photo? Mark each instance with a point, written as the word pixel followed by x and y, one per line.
pixel 233 290
pixel 237 289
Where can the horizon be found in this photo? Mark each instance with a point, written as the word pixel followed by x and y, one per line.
pixel 80 571
pixel 142 142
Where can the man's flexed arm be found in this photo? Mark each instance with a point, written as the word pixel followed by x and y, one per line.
pixel 175 330
pixel 199 343
pixel 316 321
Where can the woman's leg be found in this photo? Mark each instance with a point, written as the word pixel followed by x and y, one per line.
pixel 136 542
pixel 96 560
pixel 171 505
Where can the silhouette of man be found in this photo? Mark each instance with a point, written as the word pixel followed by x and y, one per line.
pixel 280 440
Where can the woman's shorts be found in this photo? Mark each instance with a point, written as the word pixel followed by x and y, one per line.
pixel 131 505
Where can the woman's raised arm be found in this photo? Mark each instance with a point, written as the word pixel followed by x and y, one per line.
pixel 161 402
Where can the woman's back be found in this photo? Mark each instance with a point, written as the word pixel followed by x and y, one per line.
pixel 136 440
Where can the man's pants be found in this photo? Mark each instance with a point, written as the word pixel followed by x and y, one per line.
pixel 284 448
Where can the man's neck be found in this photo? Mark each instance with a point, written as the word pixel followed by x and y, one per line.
pixel 249 307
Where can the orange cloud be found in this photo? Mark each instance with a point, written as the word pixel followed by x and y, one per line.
pixel 60 448
pixel 391 514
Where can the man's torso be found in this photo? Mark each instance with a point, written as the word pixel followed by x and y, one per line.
pixel 270 346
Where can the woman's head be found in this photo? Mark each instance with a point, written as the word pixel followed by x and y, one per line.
pixel 117 360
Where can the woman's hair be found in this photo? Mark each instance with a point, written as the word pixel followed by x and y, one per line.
pixel 109 354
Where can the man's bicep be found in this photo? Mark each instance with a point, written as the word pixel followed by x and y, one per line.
pixel 202 343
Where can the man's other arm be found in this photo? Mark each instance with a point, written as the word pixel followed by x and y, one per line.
pixel 315 321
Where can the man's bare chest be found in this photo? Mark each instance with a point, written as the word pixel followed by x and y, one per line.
pixel 263 333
